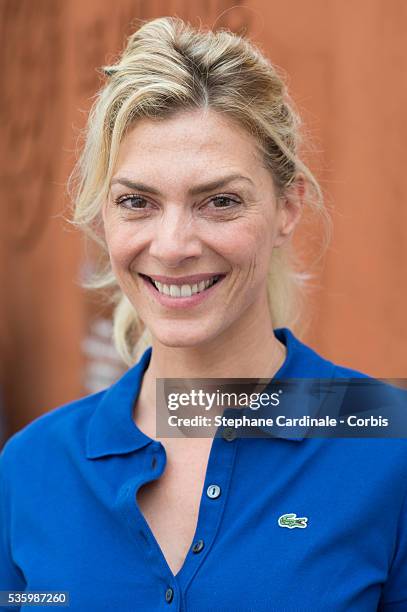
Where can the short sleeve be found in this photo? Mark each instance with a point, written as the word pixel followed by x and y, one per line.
pixel 394 598
pixel 11 578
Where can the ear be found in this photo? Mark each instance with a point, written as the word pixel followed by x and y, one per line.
pixel 290 208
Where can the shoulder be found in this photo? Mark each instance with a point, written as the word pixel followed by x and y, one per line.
pixel 341 371
pixel 304 361
pixel 94 425
pixel 350 391
pixel 57 428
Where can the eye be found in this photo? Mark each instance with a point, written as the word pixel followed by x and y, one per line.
pixel 223 201
pixel 132 202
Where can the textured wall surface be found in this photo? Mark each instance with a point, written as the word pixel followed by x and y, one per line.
pixel 346 65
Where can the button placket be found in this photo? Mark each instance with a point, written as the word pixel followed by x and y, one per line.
pixel 152 467
pixel 217 480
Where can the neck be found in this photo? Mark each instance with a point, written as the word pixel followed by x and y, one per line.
pixel 237 356
pixel 249 350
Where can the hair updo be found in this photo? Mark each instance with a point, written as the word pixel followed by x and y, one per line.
pixel 168 66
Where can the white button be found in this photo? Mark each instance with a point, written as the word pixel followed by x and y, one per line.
pixel 213 491
pixel 229 434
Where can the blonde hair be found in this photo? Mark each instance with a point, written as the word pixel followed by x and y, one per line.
pixel 167 67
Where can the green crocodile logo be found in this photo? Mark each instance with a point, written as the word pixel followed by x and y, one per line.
pixel 291 521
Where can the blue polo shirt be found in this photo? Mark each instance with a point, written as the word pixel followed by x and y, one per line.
pixel 69 519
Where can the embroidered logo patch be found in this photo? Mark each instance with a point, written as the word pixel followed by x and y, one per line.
pixel 291 521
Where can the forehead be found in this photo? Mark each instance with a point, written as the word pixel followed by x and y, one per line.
pixel 190 141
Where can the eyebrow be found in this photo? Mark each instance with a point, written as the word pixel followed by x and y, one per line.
pixel 196 190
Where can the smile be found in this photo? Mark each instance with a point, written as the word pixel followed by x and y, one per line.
pixel 178 291
pixel 181 295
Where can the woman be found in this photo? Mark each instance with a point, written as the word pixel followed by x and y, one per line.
pixel 191 181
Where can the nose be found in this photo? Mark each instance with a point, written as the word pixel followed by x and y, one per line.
pixel 174 239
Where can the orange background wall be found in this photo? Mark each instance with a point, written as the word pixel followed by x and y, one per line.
pixel 346 63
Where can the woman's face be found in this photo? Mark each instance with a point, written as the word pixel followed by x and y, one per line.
pixel 191 201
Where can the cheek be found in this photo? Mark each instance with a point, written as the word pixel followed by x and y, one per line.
pixel 246 242
pixel 122 245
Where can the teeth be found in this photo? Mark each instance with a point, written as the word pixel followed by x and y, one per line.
pixel 177 291
pixel 186 291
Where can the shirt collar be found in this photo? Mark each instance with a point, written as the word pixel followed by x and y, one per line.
pixel 301 362
pixel 112 430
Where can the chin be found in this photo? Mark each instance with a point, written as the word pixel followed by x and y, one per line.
pixel 181 337
pixel 179 340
